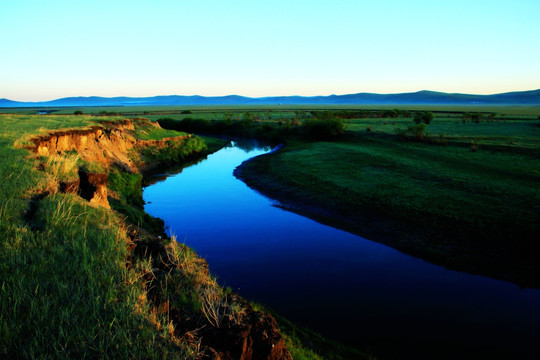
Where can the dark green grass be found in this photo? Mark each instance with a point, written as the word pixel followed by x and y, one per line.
pixel 500 132
pixel 477 211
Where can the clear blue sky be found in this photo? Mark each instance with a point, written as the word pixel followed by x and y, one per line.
pixel 58 48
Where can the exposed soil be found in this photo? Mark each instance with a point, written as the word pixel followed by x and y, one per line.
pixel 108 144
pixel 70 186
pixel 93 187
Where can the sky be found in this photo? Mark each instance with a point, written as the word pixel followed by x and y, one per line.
pixel 60 48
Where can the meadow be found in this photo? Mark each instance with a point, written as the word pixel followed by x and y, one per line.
pixel 464 194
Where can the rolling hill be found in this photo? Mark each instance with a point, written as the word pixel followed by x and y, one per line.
pixel 531 98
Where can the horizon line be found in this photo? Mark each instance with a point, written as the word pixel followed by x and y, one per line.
pixel 270 96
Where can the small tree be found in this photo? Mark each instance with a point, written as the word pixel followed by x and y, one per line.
pixel 476 117
pixel 417 130
pixel 325 128
pixel 423 117
pixel 78 112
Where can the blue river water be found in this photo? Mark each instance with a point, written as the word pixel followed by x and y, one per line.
pixel 335 282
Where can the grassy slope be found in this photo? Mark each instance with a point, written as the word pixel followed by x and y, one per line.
pixel 474 211
pixel 146 131
pixel 65 289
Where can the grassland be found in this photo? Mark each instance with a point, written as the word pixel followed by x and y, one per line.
pixel 217 111
pixel 465 196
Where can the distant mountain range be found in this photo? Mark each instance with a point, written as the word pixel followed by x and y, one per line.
pixel 531 97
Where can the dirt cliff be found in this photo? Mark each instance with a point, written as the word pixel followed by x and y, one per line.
pixel 107 144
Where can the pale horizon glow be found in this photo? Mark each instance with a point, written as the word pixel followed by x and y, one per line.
pixel 137 48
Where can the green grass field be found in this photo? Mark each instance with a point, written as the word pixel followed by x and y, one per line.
pixel 466 196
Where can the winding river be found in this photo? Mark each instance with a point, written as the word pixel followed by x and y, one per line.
pixel 337 283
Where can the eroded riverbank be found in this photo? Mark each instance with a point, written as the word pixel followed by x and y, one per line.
pixel 78 251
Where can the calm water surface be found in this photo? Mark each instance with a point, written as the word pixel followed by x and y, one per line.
pixel 337 283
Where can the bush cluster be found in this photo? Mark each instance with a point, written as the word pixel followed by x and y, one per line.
pixel 423 117
pixel 325 128
pixel 245 127
pixel 363 114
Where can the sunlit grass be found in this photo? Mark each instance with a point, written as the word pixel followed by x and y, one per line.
pixel 65 289
pixel 145 130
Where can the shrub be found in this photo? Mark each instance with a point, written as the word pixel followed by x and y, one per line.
pixel 325 128
pixel 417 130
pixel 187 125
pixel 475 117
pixel 175 152
pixel 423 117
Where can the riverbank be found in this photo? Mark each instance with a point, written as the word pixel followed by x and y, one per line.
pixel 80 279
pixel 475 212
